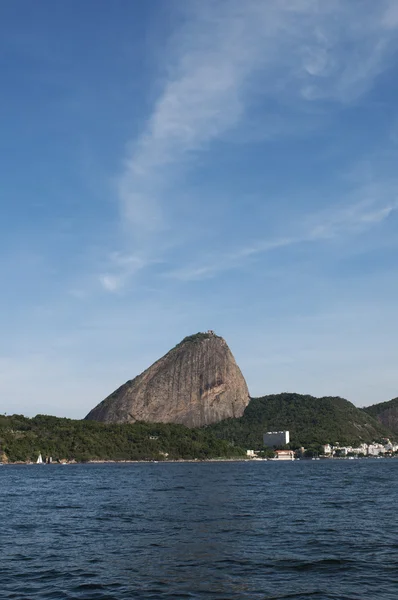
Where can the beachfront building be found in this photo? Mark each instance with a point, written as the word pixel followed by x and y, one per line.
pixel 276 438
pixel 349 450
pixel 284 455
pixel 376 449
pixel 362 449
pixel 390 446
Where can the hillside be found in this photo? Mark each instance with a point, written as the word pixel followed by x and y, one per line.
pixel 21 439
pixel 310 421
pixel 386 413
pixel 196 383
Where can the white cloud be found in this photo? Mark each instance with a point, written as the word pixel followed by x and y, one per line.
pixel 345 220
pixel 354 218
pixel 111 283
pixel 292 51
pixel 121 267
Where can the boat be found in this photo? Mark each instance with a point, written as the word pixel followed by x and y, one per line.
pixel 40 460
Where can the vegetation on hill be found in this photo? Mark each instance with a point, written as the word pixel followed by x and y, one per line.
pixel 22 439
pixel 386 413
pixel 310 421
pixel 196 338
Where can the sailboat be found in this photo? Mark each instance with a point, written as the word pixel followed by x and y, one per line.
pixel 40 460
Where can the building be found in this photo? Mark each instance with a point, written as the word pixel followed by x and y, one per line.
pixel 276 438
pixel 376 449
pixel 284 455
pixel 362 449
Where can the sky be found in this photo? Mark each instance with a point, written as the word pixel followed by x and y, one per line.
pixel 173 166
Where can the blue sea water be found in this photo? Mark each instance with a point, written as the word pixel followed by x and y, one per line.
pixel 308 530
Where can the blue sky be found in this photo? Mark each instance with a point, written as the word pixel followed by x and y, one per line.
pixel 170 167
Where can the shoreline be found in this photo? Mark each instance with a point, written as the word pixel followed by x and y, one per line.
pixel 193 460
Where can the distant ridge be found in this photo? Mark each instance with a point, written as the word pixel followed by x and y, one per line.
pixel 386 413
pixel 196 383
pixel 310 420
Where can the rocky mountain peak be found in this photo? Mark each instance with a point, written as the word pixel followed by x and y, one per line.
pixel 196 383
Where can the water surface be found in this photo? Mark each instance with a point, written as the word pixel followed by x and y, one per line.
pixel 263 530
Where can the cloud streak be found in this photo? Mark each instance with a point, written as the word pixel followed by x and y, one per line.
pixel 120 268
pixel 300 56
pixel 323 227
pixel 298 51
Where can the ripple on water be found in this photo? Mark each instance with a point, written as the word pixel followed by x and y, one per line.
pixel 222 531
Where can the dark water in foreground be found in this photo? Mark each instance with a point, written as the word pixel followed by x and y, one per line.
pixel 302 530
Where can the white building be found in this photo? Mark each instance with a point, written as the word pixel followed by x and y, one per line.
pixel 376 449
pixel 276 438
pixel 390 446
pixel 362 449
pixel 284 455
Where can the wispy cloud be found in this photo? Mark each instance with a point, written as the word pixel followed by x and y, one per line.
pixel 353 219
pixel 298 53
pixel 111 283
pixel 302 50
pixel 119 269
pixel 324 226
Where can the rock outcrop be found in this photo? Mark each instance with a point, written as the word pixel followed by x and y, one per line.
pixel 197 383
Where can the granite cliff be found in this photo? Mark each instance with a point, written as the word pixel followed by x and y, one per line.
pixel 197 383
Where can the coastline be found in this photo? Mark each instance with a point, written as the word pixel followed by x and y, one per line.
pixel 195 461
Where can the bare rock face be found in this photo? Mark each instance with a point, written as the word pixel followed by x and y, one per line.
pixel 197 383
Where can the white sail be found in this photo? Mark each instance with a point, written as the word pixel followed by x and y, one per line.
pixel 39 460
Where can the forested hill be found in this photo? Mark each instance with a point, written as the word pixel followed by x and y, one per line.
pixel 22 439
pixel 386 413
pixel 310 421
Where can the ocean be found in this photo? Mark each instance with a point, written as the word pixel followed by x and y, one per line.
pixel 304 530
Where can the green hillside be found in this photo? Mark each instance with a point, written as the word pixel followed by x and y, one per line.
pixel 310 421
pixel 386 413
pixel 21 439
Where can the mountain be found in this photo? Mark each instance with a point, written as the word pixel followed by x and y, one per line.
pixel 386 413
pixel 310 421
pixel 197 383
